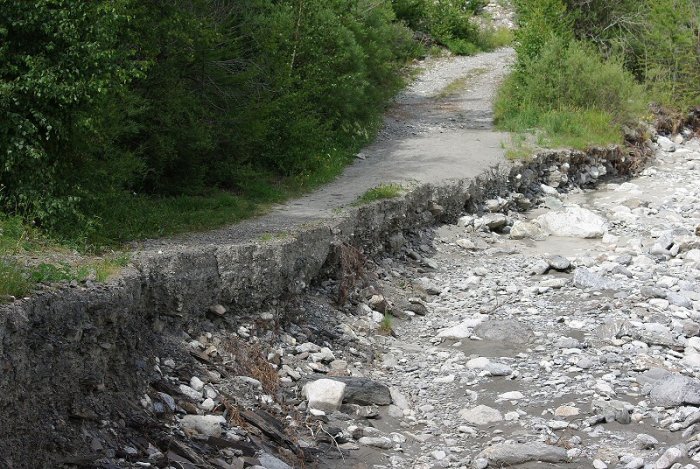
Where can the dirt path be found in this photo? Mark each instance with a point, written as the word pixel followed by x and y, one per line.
pixel 439 129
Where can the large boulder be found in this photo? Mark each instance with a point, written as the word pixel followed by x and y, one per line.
pixel 512 454
pixel 573 222
pixel 584 278
pixel 507 331
pixel 364 391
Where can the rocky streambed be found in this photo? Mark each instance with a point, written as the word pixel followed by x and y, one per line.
pixel 564 336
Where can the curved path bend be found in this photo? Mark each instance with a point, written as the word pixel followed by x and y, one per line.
pixel 439 128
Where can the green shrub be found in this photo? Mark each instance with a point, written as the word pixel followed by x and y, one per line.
pixel 383 191
pixel 572 93
pixel 447 21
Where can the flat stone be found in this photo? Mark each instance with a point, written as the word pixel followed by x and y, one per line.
pixel 675 390
pixel 566 411
pixel 511 454
pixel 584 278
pixel 507 331
pixel 481 415
pixel 269 461
pixel 376 442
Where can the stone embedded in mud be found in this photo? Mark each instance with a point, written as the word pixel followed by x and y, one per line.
pixel 217 310
pixel 481 415
pixel 464 329
pixel 511 454
pixel 324 394
pixel 573 222
pixel 209 425
pixel 527 230
pixel 507 331
pixel 376 441
pixel 675 390
pixel 364 391
pixel 584 278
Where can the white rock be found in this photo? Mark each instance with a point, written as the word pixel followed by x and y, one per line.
pixel 481 415
pixel 511 396
pixel 324 394
pixel 208 405
pixel 464 329
pixel 209 425
pixel 574 222
pixel 669 458
pixel 527 230
pixel 191 393
pixel 196 384
pixel 566 411
pixel 444 379
pixel 376 441
pixel 478 363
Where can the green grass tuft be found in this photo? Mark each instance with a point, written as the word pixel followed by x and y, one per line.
pixel 387 325
pixel 461 83
pixel 384 191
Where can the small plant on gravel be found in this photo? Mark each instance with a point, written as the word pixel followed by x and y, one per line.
pixel 386 326
pixel 384 191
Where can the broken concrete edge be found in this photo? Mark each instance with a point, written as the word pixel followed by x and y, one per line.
pixel 57 347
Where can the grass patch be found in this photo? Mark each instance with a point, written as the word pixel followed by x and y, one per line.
pixel 519 147
pixel 13 280
pixel 384 191
pixel 28 259
pixel 569 96
pixel 494 38
pixel 460 83
pixel 267 237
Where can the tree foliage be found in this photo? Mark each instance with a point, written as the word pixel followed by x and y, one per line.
pixel 104 99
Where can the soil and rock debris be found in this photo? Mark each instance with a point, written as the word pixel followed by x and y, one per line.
pixel 551 330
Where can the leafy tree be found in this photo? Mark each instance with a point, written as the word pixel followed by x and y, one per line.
pixel 59 63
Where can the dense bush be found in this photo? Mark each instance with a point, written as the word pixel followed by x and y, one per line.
pixel 59 66
pixel 108 101
pixel 449 22
pixel 571 93
pixel 659 41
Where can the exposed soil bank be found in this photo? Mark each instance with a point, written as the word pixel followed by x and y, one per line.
pixel 75 361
